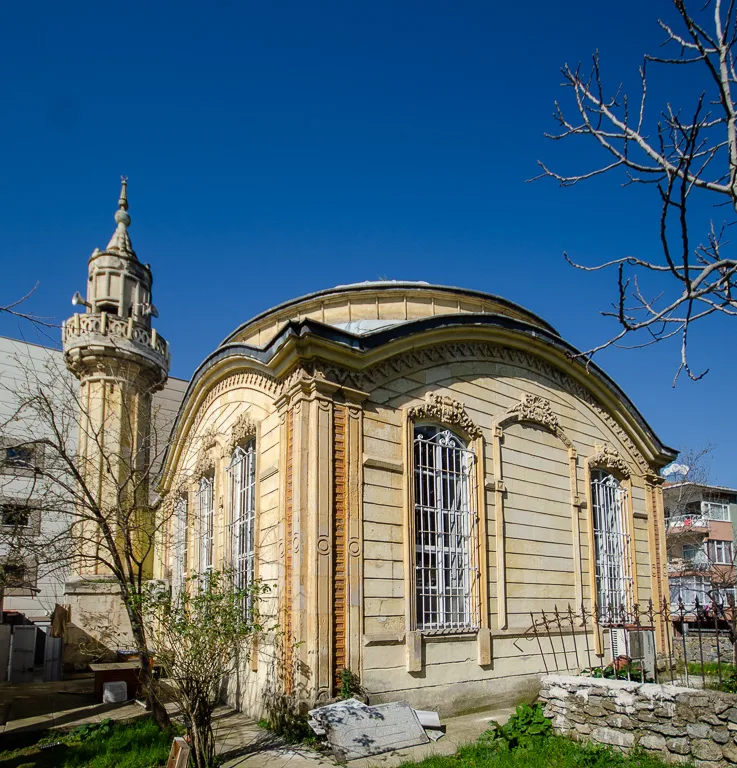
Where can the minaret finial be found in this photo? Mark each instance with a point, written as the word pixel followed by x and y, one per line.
pixel 123 202
pixel 120 242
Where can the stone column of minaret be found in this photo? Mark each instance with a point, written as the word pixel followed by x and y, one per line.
pixel 120 362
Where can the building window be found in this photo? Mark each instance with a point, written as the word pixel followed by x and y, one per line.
pixel 242 476
pixel 445 531
pixel 720 551
pixel 180 565
pixel 612 546
pixel 14 514
pixel 18 578
pixel 206 522
pixel 20 458
pixel 715 510
pixel 692 588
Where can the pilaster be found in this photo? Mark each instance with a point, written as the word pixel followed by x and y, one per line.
pixel 322 558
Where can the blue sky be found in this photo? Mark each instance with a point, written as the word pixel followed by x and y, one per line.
pixel 278 148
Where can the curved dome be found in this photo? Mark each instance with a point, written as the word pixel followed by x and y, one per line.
pixel 361 308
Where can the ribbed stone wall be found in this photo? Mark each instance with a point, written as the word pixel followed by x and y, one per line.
pixel 681 724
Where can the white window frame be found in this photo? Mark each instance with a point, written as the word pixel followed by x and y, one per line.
pixel 690 586
pixel 445 549
pixel 242 481
pixel 720 551
pixel 612 546
pixel 206 521
pixel 180 544
pixel 715 510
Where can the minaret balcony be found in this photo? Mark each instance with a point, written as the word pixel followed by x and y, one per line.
pixel 104 331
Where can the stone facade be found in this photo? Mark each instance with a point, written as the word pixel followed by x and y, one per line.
pixel 333 386
pixel 680 724
pixel 121 363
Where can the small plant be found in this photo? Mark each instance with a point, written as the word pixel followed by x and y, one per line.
pixel 350 684
pixel 620 671
pixel 100 730
pixel 524 729
pixel 291 725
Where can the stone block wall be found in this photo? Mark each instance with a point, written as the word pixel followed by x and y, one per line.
pixel 681 724
pixel 707 648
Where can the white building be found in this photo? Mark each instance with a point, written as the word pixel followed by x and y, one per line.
pixel 41 586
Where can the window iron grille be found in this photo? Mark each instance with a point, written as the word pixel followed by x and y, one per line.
pixel 180 564
pixel 205 518
pixel 242 479
pixel 446 567
pixel 612 541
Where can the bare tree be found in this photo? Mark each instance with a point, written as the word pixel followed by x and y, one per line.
pixel 685 152
pixel 96 485
pixel 14 309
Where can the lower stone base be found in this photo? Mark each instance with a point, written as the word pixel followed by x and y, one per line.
pixel 98 623
pixel 462 698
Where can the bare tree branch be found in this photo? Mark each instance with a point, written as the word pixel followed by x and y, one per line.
pixel 681 152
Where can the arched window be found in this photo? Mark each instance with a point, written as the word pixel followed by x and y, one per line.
pixel 242 475
pixel 179 545
pixel 445 531
pixel 612 542
pixel 206 521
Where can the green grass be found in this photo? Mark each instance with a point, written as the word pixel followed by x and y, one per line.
pixel 140 744
pixel 711 668
pixel 551 752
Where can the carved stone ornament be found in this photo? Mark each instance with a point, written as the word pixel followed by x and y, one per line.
pixel 606 457
pixel 536 409
pixel 209 438
pixel 243 430
pixel 447 411
pixel 205 466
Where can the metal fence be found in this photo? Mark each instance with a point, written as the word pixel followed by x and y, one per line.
pixel 698 642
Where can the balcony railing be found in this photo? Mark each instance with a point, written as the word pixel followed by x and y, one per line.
pixel 81 328
pixel 689 565
pixel 696 522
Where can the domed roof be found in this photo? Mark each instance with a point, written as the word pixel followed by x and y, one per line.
pixel 361 308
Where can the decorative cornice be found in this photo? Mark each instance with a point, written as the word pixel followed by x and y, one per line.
pixel 372 377
pixel 243 430
pixel 536 409
pixel 447 411
pixel 606 457
pixel 419 359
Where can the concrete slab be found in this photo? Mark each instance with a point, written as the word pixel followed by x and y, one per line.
pixel 357 732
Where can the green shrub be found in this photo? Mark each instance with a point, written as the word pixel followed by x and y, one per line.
pixel 525 728
pixel 350 684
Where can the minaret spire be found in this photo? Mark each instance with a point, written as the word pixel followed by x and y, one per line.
pixel 120 242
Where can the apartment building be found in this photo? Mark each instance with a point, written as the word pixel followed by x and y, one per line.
pixel 700 535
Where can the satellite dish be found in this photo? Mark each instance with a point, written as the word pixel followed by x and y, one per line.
pixel 676 469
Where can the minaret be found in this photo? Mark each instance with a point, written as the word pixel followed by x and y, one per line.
pixel 120 361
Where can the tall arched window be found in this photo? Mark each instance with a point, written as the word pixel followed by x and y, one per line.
pixel 242 475
pixel 612 541
pixel 445 531
pixel 179 545
pixel 206 521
